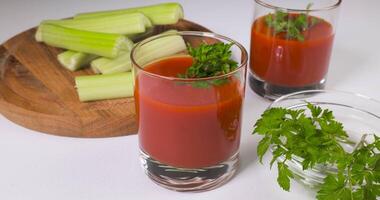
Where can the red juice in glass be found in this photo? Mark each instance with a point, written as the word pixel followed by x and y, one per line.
pixel 185 126
pixel 189 129
pixel 291 63
pixel 291 45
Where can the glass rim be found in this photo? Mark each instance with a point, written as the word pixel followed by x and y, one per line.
pixel 274 7
pixel 307 92
pixel 242 64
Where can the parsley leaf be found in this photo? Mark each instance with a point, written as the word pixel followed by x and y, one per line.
pixel 315 136
pixel 263 147
pixel 210 60
pixel 284 175
pixel 292 24
pixel 334 189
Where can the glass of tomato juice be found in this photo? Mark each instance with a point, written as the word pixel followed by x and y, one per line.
pixel 291 44
pixel 188 128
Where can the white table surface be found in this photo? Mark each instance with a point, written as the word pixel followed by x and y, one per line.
pixel 39 166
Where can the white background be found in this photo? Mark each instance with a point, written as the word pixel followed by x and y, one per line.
pixel 39 166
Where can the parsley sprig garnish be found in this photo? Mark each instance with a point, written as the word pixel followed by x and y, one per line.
pixel 318 139
pixel 358 176
pixel 210 60
pixel 291 24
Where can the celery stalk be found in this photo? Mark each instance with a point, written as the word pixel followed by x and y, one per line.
pixel 95 64
pixel 101 80
pixel 158 48
pixel 159 14
pixel 129 23
pixel 121 63
pixel 99 87
pixel 73 60
pixel 102 44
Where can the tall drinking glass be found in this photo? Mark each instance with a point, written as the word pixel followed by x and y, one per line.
pixel 189 129
pixel 291 44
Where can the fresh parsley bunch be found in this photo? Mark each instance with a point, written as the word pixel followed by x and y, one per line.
pixel 318 139
pixel 210 60
pixel 291 24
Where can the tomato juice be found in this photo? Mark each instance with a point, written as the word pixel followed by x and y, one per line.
pixel 287 62
pixel 186 126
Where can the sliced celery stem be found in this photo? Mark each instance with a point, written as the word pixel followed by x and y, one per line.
pixel 95 64
pixel 101 44
pixel 159 48
pixel 100 87
pixel 128 23
pixel 121 63
pixel 159 14
pixel 73 60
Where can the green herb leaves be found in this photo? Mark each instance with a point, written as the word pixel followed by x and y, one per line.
pixel 210 60
pixel 291 24
pixel 284 176
pixel 358 177
pixel 317 139
pixel 334 188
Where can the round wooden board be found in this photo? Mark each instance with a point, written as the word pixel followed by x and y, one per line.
pixel 38 93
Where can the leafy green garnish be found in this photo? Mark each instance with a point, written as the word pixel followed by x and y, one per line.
pixel 291 24
pixel 358 176
pixel 210 60
pixel 318 139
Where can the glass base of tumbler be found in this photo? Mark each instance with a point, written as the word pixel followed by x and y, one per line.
pixel 272 92
pixel 189 180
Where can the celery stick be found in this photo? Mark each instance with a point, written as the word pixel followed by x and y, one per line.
pixel 121 63
pixel 103 93
pixel 159 14
pixel 99 87
pixel 129 23
pixel 73 60
pixel 101 80
pixel 102 44
pixel 158 48
pixel 95 64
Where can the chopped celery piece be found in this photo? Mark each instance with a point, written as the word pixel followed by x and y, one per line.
pixel 161 48
pixel 122 63
pixel 102 44
pixel 129 23
pixel 99 87
pixel 159 14
pixel 101 80
pixel 158 48
pixel 95 64
pixel 73 60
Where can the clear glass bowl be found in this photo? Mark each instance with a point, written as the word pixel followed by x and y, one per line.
pixel 359 114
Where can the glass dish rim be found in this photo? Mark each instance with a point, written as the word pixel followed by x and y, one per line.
pixel 242 65
pixel 311 92
pixel 274 7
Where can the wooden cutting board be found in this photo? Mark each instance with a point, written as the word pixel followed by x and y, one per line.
pixel 36 92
